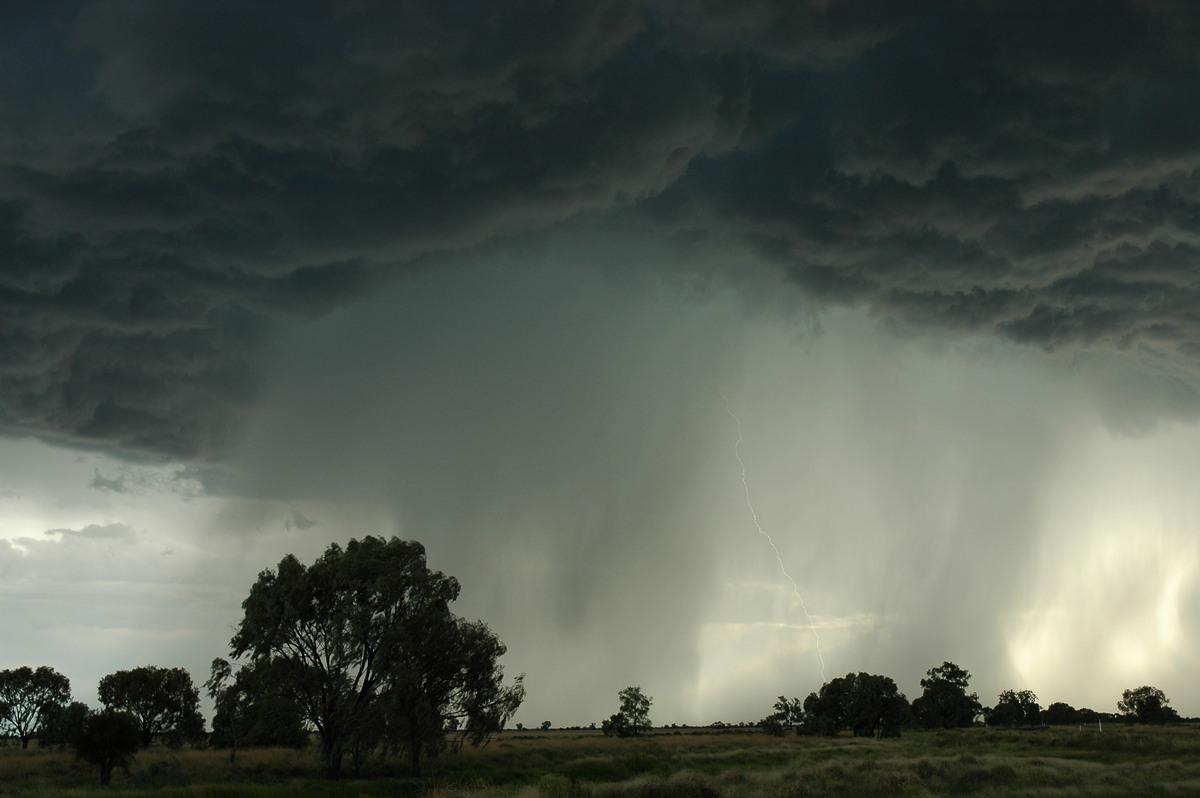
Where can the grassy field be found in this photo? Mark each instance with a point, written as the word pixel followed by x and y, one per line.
pixel 1120 761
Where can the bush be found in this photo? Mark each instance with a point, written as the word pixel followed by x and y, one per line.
pixel 108 739
pixel 772 726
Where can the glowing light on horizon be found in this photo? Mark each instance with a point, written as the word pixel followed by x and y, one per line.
pixel 778 556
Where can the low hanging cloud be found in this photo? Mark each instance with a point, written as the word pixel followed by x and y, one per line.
pixel 178 181
pixel 135 480
pixel 112 532
pixel 299 521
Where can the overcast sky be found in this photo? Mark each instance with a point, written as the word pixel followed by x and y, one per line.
pixel 537 283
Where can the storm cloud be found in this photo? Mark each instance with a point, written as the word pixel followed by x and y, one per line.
pixel 177 179
pixel 274 274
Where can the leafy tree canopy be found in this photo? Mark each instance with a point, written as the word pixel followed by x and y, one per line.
pixel 945 702
pixel 61 724
pixel 772 725
pixel 364 643
pixel 789 712
pixel 868 704
pixel 249 713
pixel 634 716
pixel 1015 708
pixel 27 696
pixel 1060 714
pixel 108 739
pixel 164 701
pixel 1146 704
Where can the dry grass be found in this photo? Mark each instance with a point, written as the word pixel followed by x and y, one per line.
pixel 1064 762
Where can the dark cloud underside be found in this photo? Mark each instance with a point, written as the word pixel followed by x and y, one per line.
pixel 175 178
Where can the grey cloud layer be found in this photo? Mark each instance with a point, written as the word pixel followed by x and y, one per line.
pixel 175 181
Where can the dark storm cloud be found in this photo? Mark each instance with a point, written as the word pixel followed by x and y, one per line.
pixel 176 178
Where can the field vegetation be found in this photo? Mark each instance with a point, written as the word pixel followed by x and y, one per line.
pixel 1064 761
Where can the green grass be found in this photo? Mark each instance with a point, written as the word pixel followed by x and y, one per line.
pixel 978 762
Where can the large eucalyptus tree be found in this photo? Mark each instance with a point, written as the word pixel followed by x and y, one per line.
pixel 364 642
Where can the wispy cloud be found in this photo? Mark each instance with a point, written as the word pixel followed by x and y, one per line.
pixel 121 532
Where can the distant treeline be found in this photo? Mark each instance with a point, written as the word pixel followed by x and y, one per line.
pixel 361 652
pixel 870 705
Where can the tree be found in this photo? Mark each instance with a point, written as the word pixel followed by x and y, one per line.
pixel 1060 714
pixel 27 696
pixel 945 703
pixel 868 704
pixel 164 701
pixel 545 725
pixel 1146 704
pixel 61 724
pixel 617 725
pixel 772 725
pixel 635 706
pixel 108 739
pixel 788 713
pixel 226 704
pixel 1015 708
pixel 633 717
pixel 248 713
pixel 364 643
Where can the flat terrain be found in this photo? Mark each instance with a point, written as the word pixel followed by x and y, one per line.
pixel 1121 761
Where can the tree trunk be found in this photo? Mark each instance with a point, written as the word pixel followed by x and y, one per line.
pixel 106 769
pixel 25 741
pixel 414 759
pixel 331 752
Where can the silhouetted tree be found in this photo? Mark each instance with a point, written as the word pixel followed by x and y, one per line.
pixel 248 713
pixel 363 641
pixel 1060 714
pixel 634 716
pixel 27 696
pixel 61 724
pixel 772 725
pixel 788 713
pixel 108 739
pixel 1015 708
pixel 1146 704
pixel 868 704
pixel 945 703
pixel 617 725
pixel 164 701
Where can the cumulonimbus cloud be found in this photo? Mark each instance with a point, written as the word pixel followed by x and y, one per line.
pixel 175 180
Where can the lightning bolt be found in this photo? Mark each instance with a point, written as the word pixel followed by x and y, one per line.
pixel 737 446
